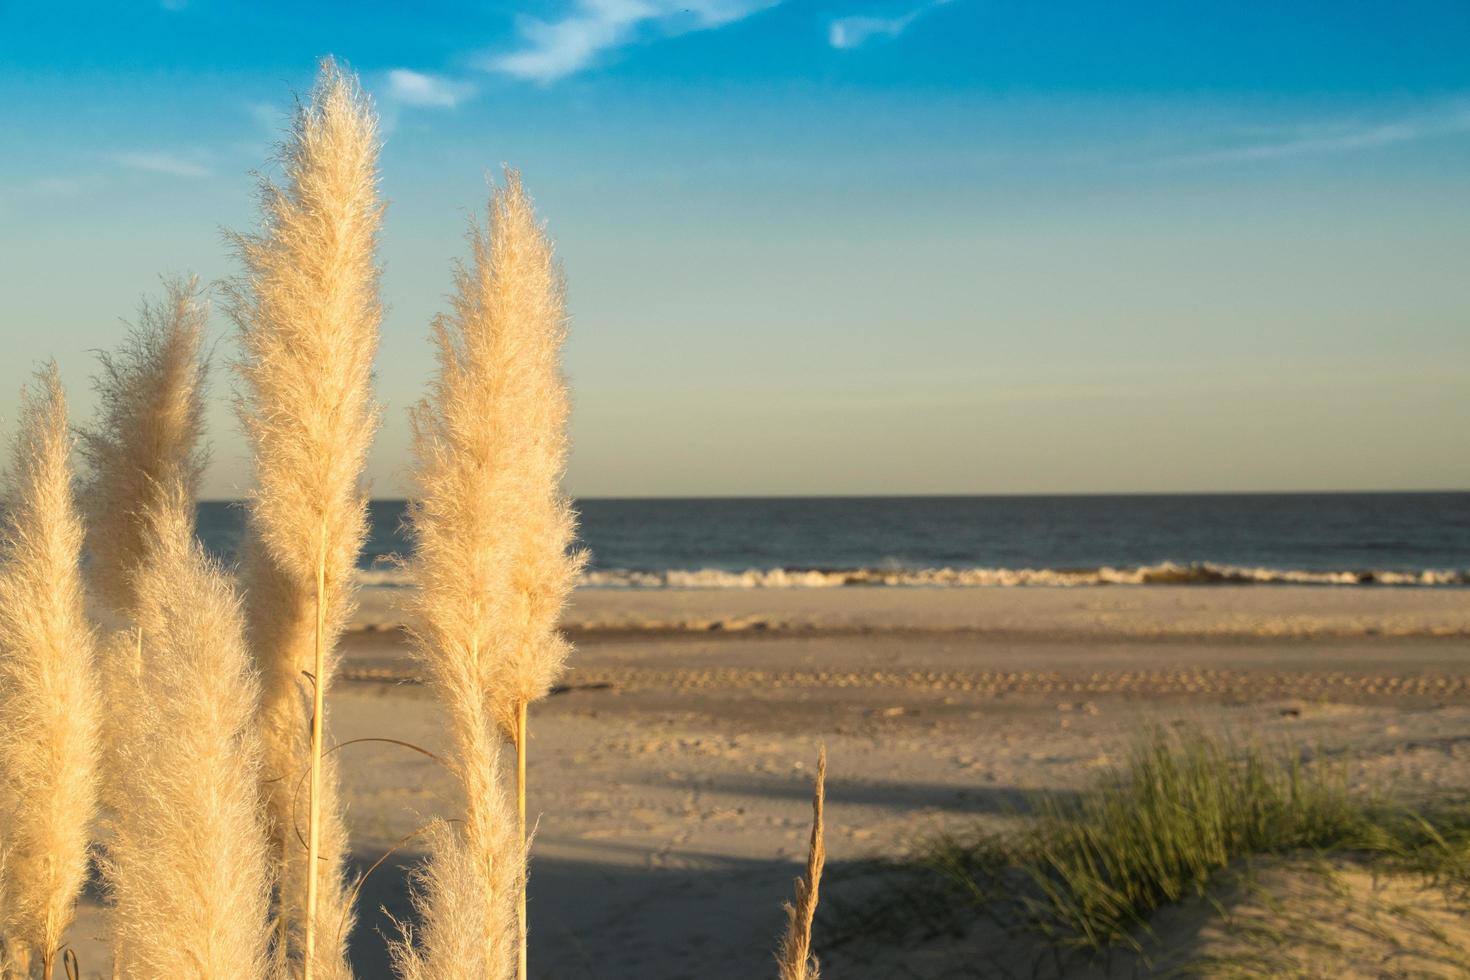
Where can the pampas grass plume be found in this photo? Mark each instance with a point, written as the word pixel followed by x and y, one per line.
pixel 307 310
pixel 145 440
pixel 188 863
pixel 465 896
pixel 491 525
pixel 492 530
pixel 48 700
pixel 146 437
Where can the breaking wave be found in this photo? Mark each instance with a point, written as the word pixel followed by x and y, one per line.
pixel 1165 573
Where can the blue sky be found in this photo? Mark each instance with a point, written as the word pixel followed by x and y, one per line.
pixel 846 247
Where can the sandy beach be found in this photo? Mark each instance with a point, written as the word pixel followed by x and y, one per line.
pixel 671 773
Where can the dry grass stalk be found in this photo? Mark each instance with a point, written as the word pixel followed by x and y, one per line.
pixel 188 864
pixel 794 957
pixel 146 437
pixel 308 313
pixel 491 524
pixel 48 699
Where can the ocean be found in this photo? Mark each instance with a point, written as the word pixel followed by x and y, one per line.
pixel 1398 539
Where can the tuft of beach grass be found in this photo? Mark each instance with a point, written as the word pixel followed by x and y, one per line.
pixel 1086 873
pixel 1090 870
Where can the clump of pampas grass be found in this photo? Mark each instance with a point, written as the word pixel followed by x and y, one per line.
pixel 794 957
pixel 307 310
pixel 146 438
pixel 492 529
pixel 48 700
pixel 188 863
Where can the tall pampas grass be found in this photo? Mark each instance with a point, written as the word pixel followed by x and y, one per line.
pixel 794 957
pixel 146 437
pixel 307 310
pixel 492 530
pixel 188 863
pixel 48 699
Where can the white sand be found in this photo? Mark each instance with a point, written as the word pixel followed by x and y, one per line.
pixel 671 778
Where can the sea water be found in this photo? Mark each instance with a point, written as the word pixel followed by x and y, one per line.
pixel 1398 539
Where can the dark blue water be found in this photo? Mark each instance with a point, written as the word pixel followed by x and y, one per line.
pixel 1394 532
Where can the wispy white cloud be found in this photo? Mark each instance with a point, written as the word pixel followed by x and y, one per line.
pixel 1321 139
pixel 853 32
pixel 554 49
pixel 846 33
pixel 164 163
pixel 413 88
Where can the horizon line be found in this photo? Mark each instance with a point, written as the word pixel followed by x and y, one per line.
pixel 959 495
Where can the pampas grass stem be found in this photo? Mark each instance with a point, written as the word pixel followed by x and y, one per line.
pixel 794 958
pixel 308 312
pixel 318 712
pixel 48 698
pixel 521 829
pixel 521 923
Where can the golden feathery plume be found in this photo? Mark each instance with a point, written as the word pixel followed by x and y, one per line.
pixel 492 529
pixel 146 438
pixel 48 698
pixel 465 896
pixel 308 312
pixel 188 861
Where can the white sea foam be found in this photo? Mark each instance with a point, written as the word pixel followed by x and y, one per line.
pixel 1166 573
